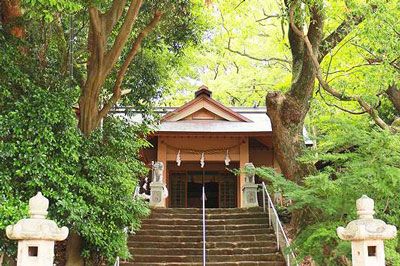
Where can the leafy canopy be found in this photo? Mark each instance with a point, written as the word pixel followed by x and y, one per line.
pixel 353 160
pixel 89 181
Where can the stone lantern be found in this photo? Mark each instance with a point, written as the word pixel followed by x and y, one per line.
pixel 250 187
pixel 36 235
pixel 158 190
pixel 366 235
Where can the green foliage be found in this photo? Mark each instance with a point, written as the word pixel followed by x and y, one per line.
pixel 110 166
pixel 353 160
pixel 45 9
pixel 89 181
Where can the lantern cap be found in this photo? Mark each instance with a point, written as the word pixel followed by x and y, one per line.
pixel 37 227
pixel 366 227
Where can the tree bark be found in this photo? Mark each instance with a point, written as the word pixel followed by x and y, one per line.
pixel 288 111
pixel 287 118
pixel 10 13
pixel 74 250
pixel 102 60
pixel 394 96
pixel 100 63
pixel 7 261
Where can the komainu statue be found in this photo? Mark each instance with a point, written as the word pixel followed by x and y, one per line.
pixel 158 169
pixel 250 172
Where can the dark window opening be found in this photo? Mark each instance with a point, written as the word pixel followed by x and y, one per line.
pixel 32 251
pixel 371 251
pixel 194 195
pixel 212 195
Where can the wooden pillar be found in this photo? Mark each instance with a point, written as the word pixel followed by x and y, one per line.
pixel 244 158
pixel 162 157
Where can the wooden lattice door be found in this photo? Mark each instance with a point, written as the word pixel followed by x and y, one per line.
pixel 227 192
pixel 178 190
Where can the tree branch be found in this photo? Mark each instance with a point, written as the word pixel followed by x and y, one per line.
pixel 131 55
pixel 353 67
pixel 330 42
pixel 339 107
pixel 113 15
pixel 303 78
pixel 94 16
pixel 244 53
pixel 296 43
pixel 394 96
pixel 256 58
pixel 341 96
pixel 268 17
pixel 126 28
pixel 96 43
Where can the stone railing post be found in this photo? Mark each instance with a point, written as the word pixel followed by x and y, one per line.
pixel 158 190
pixel 366 235
pixel 249 198
pixel 36 235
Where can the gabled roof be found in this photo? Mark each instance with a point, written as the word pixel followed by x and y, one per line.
pixel 204 115
pixel 204 104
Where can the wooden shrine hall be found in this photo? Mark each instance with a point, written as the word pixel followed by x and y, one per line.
pixel 203 141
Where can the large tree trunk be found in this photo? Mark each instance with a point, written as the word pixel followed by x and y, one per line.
pixel 102 60
pixel 287 118
pixel 287 111
pixel 89 106
pixel 100 63
pixel 73 250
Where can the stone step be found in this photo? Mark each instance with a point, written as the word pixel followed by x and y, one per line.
pixel 210 258
pixel 209 222
pixel 199 232
pixel 186 239
pixel 216 227
pixel 237 263
pixel 183 245
pixel 215 216
pixel 208 211
pixel 199 251
pixel 173 237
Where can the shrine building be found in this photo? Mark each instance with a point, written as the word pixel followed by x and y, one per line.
pixel 204 141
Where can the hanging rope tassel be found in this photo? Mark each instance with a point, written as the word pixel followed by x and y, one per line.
pixel 178 158
pixel 227 159
pixel 202 160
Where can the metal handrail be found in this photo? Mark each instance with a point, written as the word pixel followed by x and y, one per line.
pixel 116 263
pixel 278 228
pixel 203 196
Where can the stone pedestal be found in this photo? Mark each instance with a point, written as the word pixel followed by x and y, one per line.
pixel 250 198
pixel 36 235
pixel 366 235
pixel 158 190
pixel 156 195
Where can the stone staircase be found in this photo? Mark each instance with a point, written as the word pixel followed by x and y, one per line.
pixel 173 237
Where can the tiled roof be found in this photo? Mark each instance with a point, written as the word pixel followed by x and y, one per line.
pixel 260 122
